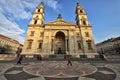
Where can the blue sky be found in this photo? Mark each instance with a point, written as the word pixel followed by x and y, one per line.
pixel 103 15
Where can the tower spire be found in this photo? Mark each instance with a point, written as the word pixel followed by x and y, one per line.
pixel 38 16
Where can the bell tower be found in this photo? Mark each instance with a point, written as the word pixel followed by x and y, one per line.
pixel 85 29
pixel 38 16
pixel 33 42
pixel 81 17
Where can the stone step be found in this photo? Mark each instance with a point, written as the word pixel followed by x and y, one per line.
pixel 7 56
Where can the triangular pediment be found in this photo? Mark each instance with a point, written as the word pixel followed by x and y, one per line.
pixel 59 22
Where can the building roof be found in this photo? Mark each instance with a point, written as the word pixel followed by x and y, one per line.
pixel 8 38
pixel 117 38
pixel 109 40
pixel 60 21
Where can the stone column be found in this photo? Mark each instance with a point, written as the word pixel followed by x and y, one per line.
pixel 74 34
pixel 66 44
pixel 53 45
pixel 69 42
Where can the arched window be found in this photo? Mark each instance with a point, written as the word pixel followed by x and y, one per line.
pixel 84 22
pixel 35 22
pixel 38 10
pixel 81 11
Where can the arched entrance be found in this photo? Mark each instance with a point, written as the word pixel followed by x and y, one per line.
pixel 59 44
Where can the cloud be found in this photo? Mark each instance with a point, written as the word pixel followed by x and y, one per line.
pixel 21 9
pixel 10 29
pixel 13 11
pixel 53 4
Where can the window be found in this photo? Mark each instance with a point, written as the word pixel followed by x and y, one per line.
pixel 81 11
pixel 38 10
pixel 35 22
pixel 29 44
pixel 79 45
pixel 77 34
pixel 89 44
pixel 87 34
pixel 84 22
pixel 41 33
pixel 40 44
pixel 32 33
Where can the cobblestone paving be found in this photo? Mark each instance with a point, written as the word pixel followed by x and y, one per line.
pixel 105 71
pixel 60 69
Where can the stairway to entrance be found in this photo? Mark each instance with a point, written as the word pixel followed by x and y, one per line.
pixel 57 56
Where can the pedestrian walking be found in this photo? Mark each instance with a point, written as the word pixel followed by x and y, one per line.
pixel 20 59
pixel 69 61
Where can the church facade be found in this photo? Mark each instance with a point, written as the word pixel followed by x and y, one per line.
pixel 59 36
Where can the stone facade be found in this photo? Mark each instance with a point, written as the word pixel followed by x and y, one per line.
pixel 59 36
pixel 110 46
pixel 8 45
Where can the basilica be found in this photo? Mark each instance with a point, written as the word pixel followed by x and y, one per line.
pixel 59 37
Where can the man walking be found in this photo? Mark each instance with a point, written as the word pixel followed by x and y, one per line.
pixel 69 61
pixel 20 59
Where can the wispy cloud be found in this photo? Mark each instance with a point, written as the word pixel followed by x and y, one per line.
pixel 10 29
pixel 17 10
pixel 14 9
pixel 53 4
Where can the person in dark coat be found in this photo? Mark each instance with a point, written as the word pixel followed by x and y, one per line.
pixel 69 61
pixel 20 59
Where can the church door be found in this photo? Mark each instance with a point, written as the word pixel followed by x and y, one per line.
pixel 59 44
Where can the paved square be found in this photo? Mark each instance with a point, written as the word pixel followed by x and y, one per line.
pixel 59 70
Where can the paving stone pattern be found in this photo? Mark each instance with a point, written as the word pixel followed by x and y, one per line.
pixel 105 71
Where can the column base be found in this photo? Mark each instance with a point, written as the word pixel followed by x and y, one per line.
pixel 83 56
pixel 52 52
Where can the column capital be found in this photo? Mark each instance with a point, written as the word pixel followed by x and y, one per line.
pixel 53 37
